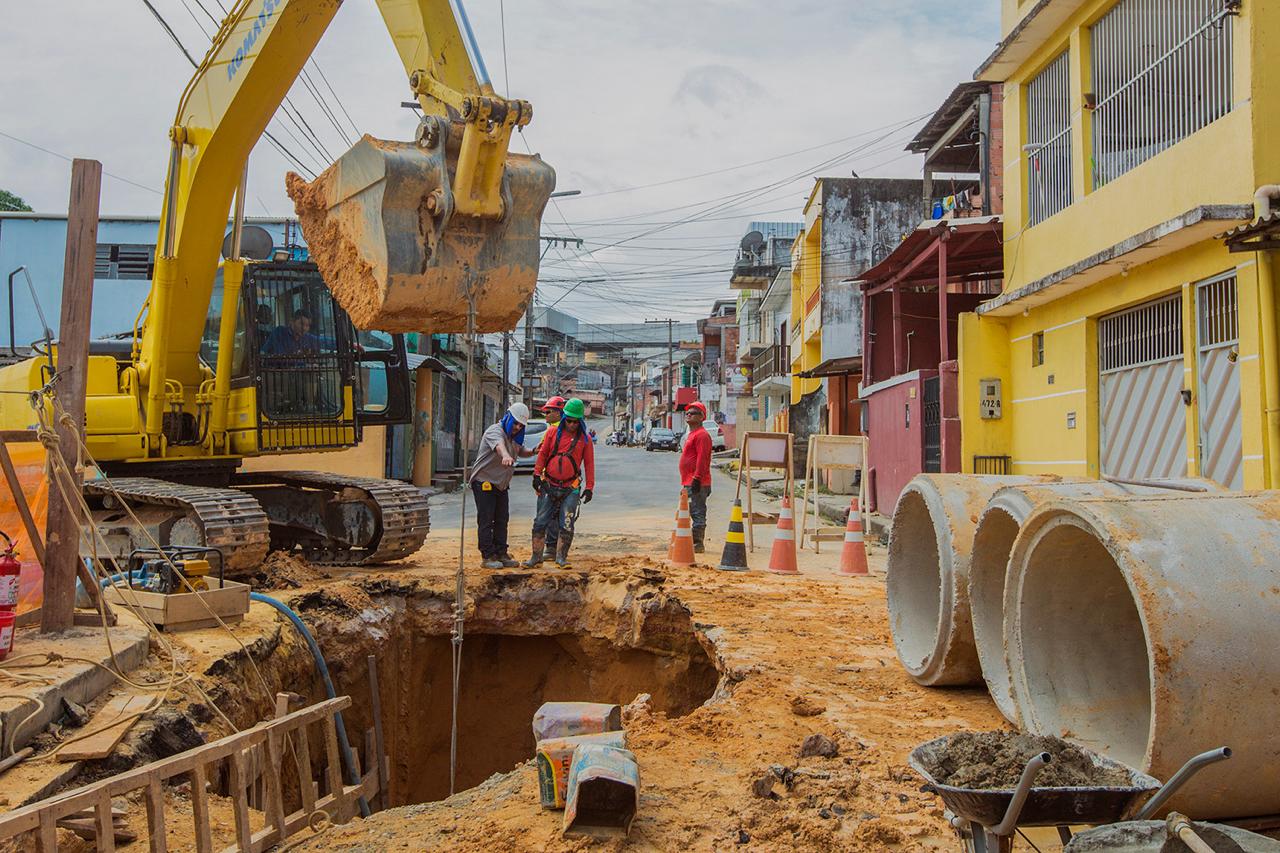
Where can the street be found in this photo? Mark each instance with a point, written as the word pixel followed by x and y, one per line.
pixel 632 511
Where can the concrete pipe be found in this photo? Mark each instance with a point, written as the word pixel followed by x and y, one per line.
pixel 997 527
pixel 927 584
pixel 1146 629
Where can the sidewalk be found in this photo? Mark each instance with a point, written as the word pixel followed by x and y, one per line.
pixel 832 508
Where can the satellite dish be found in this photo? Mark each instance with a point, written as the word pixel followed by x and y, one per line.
pixel 255 243
pixel 753 242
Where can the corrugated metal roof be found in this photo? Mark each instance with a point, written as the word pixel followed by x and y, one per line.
pixel 777 229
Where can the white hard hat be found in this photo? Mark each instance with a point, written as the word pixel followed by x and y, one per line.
pixel 520 412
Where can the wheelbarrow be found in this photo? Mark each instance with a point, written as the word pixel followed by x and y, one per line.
pixel 986 819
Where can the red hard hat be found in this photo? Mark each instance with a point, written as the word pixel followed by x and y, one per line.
pixel 556 402
pixel 700 406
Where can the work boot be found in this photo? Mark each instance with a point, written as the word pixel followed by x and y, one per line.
pixel 536 558
pixel 562 551
pixel 492 563
pixel 508 561
pixel 699 534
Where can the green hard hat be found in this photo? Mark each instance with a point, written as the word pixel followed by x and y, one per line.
pixel 575 409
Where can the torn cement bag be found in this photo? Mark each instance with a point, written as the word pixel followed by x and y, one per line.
pixel 569 719
pixel 380 224
pixel 604 791
pixel 555 758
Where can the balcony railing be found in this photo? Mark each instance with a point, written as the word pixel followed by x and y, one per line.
pixel 773 361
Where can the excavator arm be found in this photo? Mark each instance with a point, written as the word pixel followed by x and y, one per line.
pixel 428 228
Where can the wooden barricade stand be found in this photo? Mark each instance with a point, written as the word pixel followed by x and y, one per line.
pixel 763 450
pixel 830 453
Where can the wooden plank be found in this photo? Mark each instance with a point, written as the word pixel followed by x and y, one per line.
pixel 274 794
pixel 87 829
pixel 19 436
pixel 371 758
pixel 302 755
pixel 104 824
pixel 20 501
pixel 200 809
pixel 155 816
pixel 380 746
pixel 28 818
pixel 62 528
pixel 239 801
pixel 47 840
pixel 103 743
pixel 333 770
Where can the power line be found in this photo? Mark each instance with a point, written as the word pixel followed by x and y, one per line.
pixel 69 159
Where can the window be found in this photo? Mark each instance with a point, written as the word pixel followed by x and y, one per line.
pixel 1049 141
pixel 124 261
pixel 1146 334
pixel 1160 73
pixel 1037 349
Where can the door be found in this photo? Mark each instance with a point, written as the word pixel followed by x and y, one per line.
pixel 932 423
pixel 1142 417
pixel 1217 338
pixel 383 395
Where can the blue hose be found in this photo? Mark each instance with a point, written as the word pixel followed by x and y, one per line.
pixel 353 776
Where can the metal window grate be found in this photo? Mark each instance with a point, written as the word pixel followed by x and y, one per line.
pixel 1049 140
pixel 1145 334
pixel 999 465
pixel 1219 318
pixel 1161 71
pixel 932 423
pixel 123 261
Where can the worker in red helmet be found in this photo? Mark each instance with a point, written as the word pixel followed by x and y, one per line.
pixel 695 471
pixel 553 411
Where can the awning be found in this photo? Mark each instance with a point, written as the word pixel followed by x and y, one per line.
pixel 834 367
pixel 1260 235
pixel 974 253
pixel 413 361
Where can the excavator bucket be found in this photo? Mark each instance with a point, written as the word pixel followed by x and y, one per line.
pixel 381 226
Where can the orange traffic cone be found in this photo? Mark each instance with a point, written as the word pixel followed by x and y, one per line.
pixel 682 540
pixel 783 559
pixel 682 511
pixel 853 559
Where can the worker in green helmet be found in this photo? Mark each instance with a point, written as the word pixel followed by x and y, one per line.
pixel 564 476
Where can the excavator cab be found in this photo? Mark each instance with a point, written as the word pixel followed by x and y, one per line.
pixel 318 381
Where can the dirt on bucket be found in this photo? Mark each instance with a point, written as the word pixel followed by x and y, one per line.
pixel 995 760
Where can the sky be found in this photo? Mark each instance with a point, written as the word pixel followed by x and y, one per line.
pixel 679 122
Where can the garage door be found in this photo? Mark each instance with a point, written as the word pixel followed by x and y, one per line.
pixel 1221 449
pixel 1143 417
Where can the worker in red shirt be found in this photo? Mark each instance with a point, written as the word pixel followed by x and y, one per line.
pixel 566 464
pixel 695 471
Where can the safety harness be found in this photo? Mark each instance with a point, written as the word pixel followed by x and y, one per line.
pixel 566 454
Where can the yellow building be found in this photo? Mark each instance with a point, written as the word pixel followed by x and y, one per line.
pixel 806 294
pixel 1130 340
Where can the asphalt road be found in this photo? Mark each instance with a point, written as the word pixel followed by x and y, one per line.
pixel 632 510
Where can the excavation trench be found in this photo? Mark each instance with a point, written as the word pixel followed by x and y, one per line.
pixel 529 639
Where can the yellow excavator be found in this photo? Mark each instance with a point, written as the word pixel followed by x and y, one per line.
pixel 243 358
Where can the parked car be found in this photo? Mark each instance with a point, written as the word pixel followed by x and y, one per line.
pixel 661 438
pixel 713 430
pixel 534 431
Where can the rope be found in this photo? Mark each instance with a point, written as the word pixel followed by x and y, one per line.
pixel 460 586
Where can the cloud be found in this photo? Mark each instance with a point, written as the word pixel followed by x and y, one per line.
pixel 665 93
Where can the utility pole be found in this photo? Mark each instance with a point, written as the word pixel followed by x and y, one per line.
pixel 506 370
pixel 671 370
pixel 62 528
pixel 527 361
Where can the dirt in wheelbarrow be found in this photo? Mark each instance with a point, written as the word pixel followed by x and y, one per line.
pixel 995 760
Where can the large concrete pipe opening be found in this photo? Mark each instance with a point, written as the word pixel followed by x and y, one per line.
pixel 1084 653
pixel 915 588
pixel 1146 628
pixel 997 529
pixel 928 575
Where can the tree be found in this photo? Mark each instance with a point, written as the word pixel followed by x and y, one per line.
pixel 9 201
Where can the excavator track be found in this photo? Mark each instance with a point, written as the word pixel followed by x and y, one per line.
pixel 392 520
pixel 228 519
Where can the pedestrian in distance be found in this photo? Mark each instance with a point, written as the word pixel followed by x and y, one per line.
pixel 564 477
pixel 695 471
pixel 553 411
pixel 491 474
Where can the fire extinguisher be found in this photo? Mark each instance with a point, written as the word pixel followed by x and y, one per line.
pixel 10 570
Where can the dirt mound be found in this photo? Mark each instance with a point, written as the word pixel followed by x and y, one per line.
pixel 282 570
pixel 991 760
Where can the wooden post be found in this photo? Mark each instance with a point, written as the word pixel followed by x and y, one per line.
pixel 62 531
